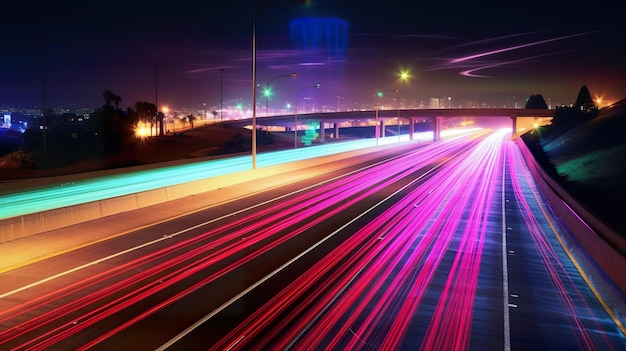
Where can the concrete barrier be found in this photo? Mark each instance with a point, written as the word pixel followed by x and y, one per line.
pixel 36 223
pixel 603 248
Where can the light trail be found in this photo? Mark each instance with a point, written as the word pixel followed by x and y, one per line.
pixel 505 264
pixel 571 292
pixel 403 272
pixel 516 47
pixel 380 264
pixel 28 201
pixel 297 209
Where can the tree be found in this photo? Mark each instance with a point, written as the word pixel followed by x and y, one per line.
pixel 107 128
pixel 536 101
pixel 567 118
pixel 191 118
pixel 146 111
pixel 160 119
pixel 111 99
pixel 584 101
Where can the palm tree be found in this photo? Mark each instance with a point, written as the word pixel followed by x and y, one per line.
pixel 146 111
pixel 191 118
pixel 111 98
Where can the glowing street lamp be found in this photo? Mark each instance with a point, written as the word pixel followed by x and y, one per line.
pixel 267 92
pixel 404 75
pixel 379 95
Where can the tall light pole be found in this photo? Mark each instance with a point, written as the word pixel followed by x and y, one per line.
pixel 205 116
pixel 404 75
pixel 156 96
pixel 302 2
pixel 254 87
pixel 295 124
pixel 221 91
pixel 268 91
pixel 377 132
pixel 379 95
pixel 398 115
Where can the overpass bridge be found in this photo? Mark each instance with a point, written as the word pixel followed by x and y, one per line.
pixel 436 117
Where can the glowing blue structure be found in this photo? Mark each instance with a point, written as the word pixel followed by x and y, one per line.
pixel 323 42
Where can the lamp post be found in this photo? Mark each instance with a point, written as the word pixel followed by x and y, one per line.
pixel 303 2
pixel 295 124
pixel 398 114
pixel 268 92
pixel 378 95
pixel 221 95
pixel 404 76
pixel 156 96
pixel 205 116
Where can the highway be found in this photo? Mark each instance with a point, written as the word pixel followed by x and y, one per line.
pixel 431 246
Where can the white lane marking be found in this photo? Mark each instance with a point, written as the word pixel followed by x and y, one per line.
pixel 169 236
pixel 210 315
pixel 505 273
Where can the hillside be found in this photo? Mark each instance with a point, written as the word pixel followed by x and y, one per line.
pixel 590 161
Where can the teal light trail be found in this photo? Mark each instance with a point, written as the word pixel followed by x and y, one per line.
pixel 60 195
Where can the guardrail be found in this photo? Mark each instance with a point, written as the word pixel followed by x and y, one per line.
pixel 604 246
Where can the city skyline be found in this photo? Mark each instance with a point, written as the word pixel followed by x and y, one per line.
pixel 189 55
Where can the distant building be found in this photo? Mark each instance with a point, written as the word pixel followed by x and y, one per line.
pixel 6 121
pixel 445 102
pixel 434 103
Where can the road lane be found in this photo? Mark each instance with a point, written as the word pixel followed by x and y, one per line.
pixel 404 252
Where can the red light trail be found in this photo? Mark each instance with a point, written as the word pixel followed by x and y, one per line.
pixel 405 270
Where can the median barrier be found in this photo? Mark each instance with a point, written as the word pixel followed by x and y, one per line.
pixel 31 224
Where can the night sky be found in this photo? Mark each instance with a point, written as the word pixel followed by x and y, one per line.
pixel 174 51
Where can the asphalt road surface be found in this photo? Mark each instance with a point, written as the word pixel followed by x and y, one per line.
pixel 438 246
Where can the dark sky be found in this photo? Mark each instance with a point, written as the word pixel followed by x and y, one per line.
pixel 174 51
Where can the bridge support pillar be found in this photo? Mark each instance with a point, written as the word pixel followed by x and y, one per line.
pixel 336 125
pixel 382 129
pixel 322 132
pixel 436 128
pixel 513 126
pixel 411 126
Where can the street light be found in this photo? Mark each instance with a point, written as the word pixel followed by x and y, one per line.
pixel 205 116
pixel 302 2
pixel 267 92
pixel 398 114
pixel 295 124
pixel 404 75
pixel 221 95
pixel 379 95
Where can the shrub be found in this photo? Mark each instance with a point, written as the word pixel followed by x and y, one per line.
pixel 17 159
